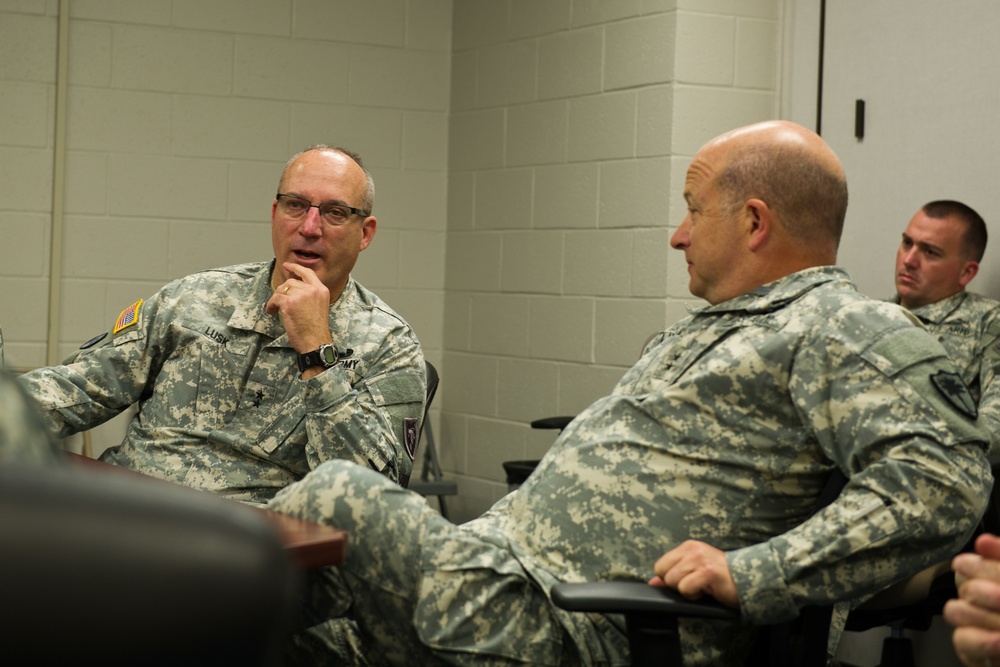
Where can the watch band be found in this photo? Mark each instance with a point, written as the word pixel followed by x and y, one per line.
pixel 326 356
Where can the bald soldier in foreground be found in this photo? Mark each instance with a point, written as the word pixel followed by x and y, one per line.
pixel 701 471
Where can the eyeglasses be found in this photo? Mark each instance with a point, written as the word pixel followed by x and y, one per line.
pixel 296 207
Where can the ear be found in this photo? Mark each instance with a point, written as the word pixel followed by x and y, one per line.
pixel 968 272
pixel 368 231
pixel 760 223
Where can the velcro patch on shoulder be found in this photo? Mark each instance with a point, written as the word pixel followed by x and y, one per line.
pixel 902 348
pixel 950 386
pixel 397 388
pixel 128 317
pixel 992 338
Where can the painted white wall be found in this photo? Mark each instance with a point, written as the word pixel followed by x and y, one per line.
pixel 572 124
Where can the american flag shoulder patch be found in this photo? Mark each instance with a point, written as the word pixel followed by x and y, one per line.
pixel 128 317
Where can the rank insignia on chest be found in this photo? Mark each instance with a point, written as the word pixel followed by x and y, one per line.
pixel 128 317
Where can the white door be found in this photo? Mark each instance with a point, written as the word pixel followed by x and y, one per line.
pixel 929 74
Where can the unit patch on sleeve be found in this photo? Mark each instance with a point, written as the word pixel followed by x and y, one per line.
pixel 950 386
pixel 128 317
pixel 410 435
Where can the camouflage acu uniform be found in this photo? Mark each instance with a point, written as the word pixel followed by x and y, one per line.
pixel 22 434
pixel 968 326
pixel 221 405
pixel 724 431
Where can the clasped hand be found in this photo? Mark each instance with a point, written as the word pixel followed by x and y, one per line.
pixel 304 304
pixel 976 612
pixel 695 569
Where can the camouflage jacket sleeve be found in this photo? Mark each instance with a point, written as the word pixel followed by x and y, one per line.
pixel 919 479
pixel 87 390
pixel 968 326
pixel 23 437
pixel 989 403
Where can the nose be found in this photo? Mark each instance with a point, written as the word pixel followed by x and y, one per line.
pixel 910 257
pixel 681 239
pixel 311 224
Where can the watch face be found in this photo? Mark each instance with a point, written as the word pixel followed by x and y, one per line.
pixel 328 354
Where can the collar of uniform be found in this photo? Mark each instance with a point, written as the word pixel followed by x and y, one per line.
pixel 939 311
pixel 777 293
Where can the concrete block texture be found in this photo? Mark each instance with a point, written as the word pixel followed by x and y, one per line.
pixel 597 137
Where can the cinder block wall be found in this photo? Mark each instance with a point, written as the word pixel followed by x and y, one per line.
pixel 572 125
pixel 180 117
pixel 529 157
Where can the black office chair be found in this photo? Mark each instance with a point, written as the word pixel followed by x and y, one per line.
pixel 431 380
pixel 115 570
pixel 431 481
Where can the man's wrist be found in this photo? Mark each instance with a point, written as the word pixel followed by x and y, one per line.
pixel 325 356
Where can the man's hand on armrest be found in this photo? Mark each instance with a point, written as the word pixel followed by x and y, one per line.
pixel 695 569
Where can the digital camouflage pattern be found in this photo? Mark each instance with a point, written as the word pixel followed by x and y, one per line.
pixel 724 431
pixel 968 326
pixel 23 437
pixel 220 403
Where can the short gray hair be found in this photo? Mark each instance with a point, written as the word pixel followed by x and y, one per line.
pixel 367 197
pixel 808 198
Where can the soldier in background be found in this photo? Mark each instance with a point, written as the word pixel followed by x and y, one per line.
pixel 250 376
pixel 938 256
pixel 703 468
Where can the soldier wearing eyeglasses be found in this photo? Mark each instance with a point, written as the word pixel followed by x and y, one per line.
pixel 247 377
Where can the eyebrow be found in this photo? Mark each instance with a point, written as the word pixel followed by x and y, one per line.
pixel 923 245
pixel 335 202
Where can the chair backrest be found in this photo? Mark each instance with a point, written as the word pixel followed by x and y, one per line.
pixel 432 385
pixel 431 376
pixel 116 570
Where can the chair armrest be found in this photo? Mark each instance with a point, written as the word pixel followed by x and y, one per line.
pixel 651 614
pixel 558 423
pixel 625 597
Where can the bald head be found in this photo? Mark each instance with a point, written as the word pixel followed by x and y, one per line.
pixel 764 201
pixel 792 170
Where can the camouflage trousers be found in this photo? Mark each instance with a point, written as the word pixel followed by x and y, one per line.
pixel 420 590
